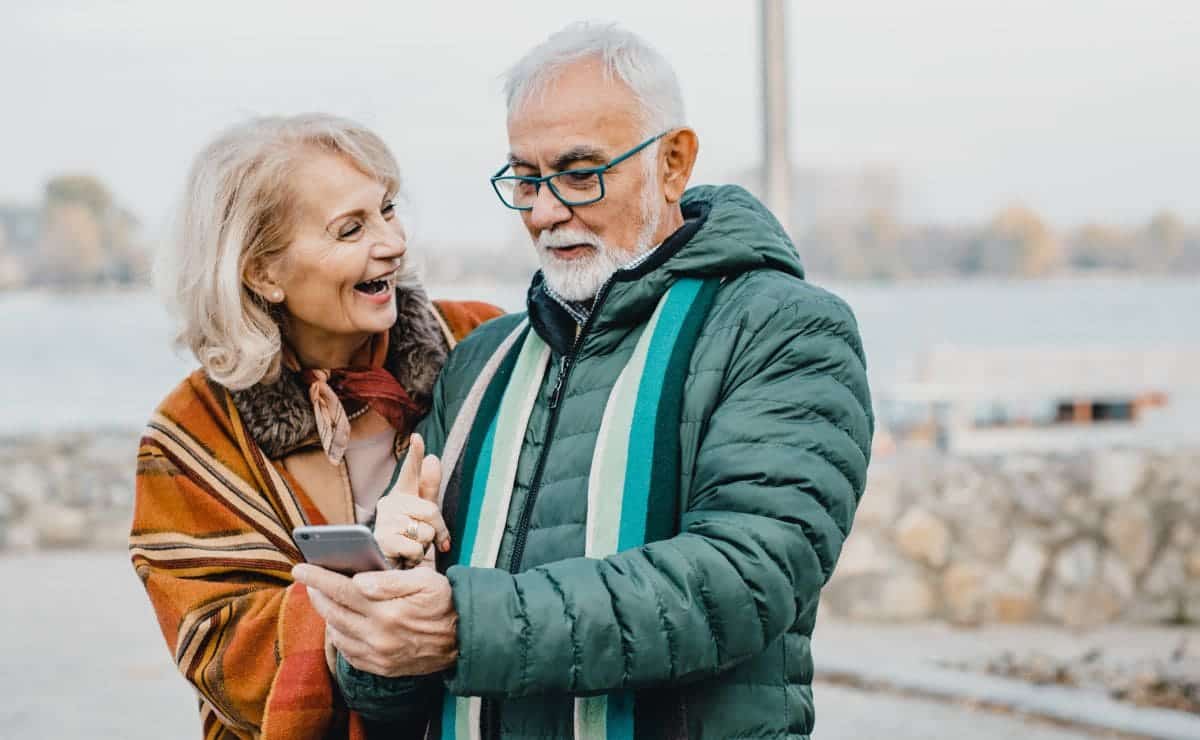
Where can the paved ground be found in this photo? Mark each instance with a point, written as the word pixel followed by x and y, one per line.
pixel 850 714
pixel 81 657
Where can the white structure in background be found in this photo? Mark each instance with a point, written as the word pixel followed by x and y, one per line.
pixel 1046 399
pixel 777 171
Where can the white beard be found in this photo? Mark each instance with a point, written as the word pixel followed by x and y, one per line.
pixel 580 279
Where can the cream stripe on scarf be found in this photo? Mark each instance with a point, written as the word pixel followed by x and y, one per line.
pixel 506 448
pixel 606 488
pixel 457 439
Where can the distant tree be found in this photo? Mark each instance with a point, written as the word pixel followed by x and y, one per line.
pixel 85 236
pixel 1017 243
pixel 1101 247
pixel 82 189
pixel 879 236
pixel 72 243
pixel 1162 243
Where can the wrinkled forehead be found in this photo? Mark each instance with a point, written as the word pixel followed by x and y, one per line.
pixel 326 184
pixel 580 107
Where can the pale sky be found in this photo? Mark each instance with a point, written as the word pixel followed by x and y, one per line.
pixel 1084 109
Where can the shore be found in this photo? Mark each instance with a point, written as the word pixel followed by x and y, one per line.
pixel 67 490
pixel 1080 539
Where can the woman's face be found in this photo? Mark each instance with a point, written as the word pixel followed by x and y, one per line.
pixel 338 272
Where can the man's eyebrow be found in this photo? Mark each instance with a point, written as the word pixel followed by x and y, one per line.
pixel 582 153
pixel 515 161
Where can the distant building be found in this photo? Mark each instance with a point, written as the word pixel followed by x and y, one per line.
pixel 837 197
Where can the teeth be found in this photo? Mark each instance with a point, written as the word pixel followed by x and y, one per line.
pixel 379 285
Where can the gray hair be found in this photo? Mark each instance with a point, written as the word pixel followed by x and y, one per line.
pixel 238 211
pixel 624 56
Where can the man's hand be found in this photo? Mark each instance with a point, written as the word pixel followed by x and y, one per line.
pixel 390 623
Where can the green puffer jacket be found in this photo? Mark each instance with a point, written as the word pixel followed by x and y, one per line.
pixel 775 433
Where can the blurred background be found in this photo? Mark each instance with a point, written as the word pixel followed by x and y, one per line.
pixel 1004 192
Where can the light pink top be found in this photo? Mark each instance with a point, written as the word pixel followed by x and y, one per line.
pixel 370 462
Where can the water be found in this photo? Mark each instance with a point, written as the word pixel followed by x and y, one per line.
pixel 82 360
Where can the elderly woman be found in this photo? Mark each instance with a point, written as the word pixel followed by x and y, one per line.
pixel 318 353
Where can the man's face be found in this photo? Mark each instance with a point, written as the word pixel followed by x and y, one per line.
pixel 585 120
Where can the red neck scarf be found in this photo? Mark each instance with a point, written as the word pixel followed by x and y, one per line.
pixel 364 384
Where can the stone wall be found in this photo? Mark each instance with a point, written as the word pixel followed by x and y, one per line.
pixel 1080 539
pixel 1084 539
pixel 67 491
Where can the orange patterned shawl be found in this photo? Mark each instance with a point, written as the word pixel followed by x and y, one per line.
pixel 211 541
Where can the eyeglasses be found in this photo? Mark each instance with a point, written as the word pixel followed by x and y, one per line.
pixel 579 187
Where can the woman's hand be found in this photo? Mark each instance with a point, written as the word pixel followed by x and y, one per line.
pixel 408 519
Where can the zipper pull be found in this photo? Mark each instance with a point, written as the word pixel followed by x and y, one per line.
pixel 556 394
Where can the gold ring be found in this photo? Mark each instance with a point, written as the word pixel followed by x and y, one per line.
pixel 412 530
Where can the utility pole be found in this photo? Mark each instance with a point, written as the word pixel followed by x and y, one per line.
pixel 776 165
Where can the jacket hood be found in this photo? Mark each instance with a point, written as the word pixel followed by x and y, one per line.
pixel 738 234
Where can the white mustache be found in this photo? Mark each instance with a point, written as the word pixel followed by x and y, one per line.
pixel 555 239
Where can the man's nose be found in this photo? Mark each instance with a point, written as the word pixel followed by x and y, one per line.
pixel 548 210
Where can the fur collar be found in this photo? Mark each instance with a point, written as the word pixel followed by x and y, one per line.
pixel 279 415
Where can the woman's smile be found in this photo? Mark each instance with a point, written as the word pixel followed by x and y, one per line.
pixel 379 290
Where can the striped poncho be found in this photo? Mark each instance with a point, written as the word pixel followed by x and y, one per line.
pixel 211 542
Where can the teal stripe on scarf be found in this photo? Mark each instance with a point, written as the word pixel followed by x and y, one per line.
pixel 643 430
pixel 655 710
pixel 662 515
pixel 464 503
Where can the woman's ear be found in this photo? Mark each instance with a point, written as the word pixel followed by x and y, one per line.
pixel 678 151
pixel 262 281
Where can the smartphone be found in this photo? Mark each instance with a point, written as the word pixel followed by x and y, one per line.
pixel 345 548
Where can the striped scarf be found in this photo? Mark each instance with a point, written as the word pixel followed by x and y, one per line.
pixel 636 453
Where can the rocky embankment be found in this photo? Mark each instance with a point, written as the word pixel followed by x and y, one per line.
pixel 1081 539
pixel 67 491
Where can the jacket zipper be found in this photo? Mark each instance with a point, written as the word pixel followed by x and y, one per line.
pixel 560 384
pixel 490 711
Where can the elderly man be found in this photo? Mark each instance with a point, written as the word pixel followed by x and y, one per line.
pixel 650 474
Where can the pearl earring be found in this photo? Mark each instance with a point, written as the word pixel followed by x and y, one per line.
pixel 277 295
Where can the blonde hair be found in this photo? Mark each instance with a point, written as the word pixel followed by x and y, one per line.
pixel 237 211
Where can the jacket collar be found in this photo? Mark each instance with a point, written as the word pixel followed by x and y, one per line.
pixel 279 416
